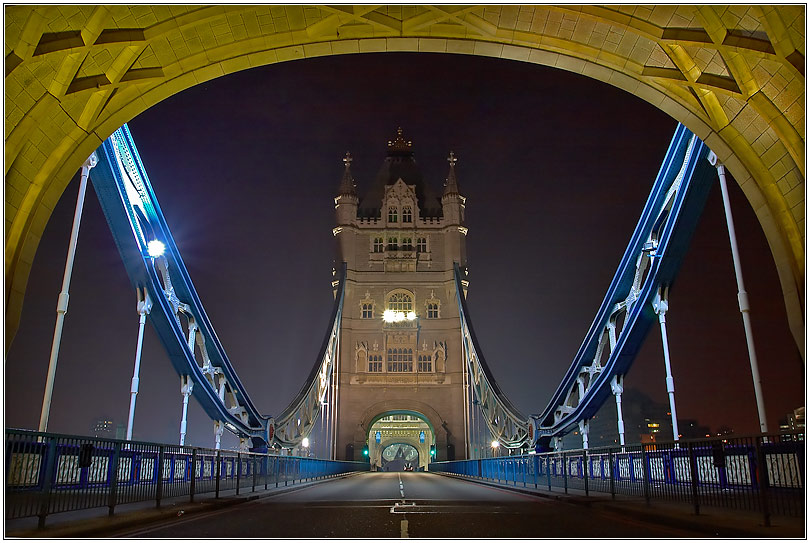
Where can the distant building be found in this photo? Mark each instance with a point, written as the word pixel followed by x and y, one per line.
pixel 691 429
pixel 645 421
pixel 793 423
pixel 103 427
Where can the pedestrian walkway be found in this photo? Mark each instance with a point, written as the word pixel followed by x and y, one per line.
pixel 713 521
pixel 98 523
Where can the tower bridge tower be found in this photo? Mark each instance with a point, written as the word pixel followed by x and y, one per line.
pixel 400 377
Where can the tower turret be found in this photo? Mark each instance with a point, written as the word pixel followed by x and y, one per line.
pixel 346 201
pixel 452 201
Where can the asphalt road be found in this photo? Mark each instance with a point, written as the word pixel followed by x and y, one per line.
pixel 393 505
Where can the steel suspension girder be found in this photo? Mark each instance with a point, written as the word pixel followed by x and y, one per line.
pixel 503 419
pixel 647 269
pixel 134 216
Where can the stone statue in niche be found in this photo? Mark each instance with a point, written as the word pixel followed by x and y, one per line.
pixel 361 354
pixel 440 354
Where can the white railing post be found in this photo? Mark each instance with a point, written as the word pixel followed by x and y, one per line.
pixel 661 305
pixel 742 295
pixel 186 387
pixel 62 303
pixel 584 428
pixel 617 386
pixel 218 429
pixel 144 306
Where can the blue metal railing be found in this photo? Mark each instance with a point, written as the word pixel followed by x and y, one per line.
pixel 52 473
pixel 763 473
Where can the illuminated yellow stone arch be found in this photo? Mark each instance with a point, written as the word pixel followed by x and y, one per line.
pixel 734 75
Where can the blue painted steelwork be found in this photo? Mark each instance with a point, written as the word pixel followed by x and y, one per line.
pixel 178 316
pixel 53 473
pixel 760 473
pixel 646 271
pixel 648 267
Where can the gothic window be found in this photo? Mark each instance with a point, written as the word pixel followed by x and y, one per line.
pixel 406 214
pixel 433 310
pixel 367 311
pixel 407 244
pixel 378 245
pixel 425 363
pixel 375 363
pixel 400 360
pixel 421 245
pixel 392 214
pixel 392 244
pixel 400 301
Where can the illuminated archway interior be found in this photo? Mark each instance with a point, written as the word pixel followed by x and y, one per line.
pixel 400 440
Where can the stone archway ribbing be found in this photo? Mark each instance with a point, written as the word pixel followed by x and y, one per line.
pixel 734 75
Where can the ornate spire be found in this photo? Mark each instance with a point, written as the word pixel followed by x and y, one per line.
pixel 400 145
pixel 347 185
pixel 451 185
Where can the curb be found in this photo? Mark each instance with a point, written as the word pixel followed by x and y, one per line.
pixel 102 526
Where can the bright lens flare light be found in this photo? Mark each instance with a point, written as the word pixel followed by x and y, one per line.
pixel 155 248
pixel 389 315
pixel 495 444
pixel 305 442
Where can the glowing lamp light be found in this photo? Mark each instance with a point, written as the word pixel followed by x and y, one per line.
pixel 389 315
pixel 495 444
pixel 305 442
pixel 155 248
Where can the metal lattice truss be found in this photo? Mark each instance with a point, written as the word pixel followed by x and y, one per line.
pixel 505 422
pixel 637 291
pixel 135 220
pixel 175 310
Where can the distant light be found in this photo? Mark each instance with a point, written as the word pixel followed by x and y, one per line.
pixel 495 444
pixel 155 248
pixel 389 315
pixel 305 442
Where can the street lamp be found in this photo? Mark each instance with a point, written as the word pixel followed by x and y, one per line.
pixel 494 446
pixel 155 248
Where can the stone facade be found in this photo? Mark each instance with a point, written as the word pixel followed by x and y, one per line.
pixel 400 244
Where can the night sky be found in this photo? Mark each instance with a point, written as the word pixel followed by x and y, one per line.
pixel 556 168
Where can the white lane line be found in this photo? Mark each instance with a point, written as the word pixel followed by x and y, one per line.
pixel 403 529
pixel 401 486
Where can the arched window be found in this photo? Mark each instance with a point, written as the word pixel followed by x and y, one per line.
pixel 367 311
pixel 378 245
pixel 425 363
pixel 406 214
pixel 433 310
pixel 392 214
pixel 421 245
pixel 375 363
pixel 407 244
pixel 392 244
pixel 400 301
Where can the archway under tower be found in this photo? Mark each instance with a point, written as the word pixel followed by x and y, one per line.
pixel 400 440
